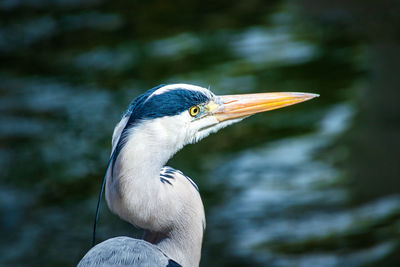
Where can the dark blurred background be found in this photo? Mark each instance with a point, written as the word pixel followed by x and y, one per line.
pixel 316 184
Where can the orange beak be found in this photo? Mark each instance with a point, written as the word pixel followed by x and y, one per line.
pixel 228 107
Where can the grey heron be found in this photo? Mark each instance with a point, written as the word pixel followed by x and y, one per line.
pixel 159 199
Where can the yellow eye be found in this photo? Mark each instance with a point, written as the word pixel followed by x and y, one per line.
pixel 194 111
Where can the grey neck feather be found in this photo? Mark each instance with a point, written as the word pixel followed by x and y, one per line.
pixel 172 214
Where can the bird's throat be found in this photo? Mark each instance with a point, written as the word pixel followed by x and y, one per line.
pixel 172 214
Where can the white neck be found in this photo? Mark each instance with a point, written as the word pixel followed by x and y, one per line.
pixel 172 214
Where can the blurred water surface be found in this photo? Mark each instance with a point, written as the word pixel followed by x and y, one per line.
pixel 314 184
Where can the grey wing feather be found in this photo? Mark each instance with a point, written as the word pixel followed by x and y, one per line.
pixel 126 251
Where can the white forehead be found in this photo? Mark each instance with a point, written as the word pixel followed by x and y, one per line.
pixel 175 86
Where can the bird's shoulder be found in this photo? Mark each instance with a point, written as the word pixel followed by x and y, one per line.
pixel 126 251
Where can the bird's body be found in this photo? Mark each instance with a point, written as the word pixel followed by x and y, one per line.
pixel 126 251
pixel 161 200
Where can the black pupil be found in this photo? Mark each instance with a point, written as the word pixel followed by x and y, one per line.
pixel 195 110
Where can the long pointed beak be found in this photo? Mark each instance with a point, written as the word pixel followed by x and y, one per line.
pixel 238 106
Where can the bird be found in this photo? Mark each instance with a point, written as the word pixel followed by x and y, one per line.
pixel 159 199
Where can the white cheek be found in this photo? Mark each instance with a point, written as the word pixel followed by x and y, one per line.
pixel 175 129
pixel 206 126
pixel 201 128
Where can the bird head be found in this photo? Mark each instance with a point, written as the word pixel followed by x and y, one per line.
pixel 178 114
